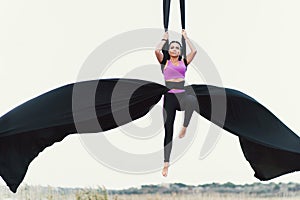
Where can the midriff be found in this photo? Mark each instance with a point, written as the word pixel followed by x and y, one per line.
pixel 175 80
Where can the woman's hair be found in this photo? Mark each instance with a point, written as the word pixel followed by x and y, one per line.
pixel 176 43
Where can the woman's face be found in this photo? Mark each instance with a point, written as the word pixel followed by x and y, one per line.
pixel 174 50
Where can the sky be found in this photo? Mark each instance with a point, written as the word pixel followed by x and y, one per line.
pixel 253 45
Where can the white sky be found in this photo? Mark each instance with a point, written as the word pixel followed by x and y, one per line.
pixel 253 44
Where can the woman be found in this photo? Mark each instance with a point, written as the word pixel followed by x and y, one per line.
pixel 176 98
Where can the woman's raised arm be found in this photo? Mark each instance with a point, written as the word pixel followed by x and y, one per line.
pixel 193 52
pixel 159 47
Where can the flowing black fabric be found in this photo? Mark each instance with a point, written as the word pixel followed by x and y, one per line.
pixel 166 16
pixel 270 147
pixel 166 13
pixel 182 11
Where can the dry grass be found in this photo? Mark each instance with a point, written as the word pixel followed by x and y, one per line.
pixel 197 197
pixel 49 193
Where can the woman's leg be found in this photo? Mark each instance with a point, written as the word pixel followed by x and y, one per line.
pixel 189 103
pixel 169 113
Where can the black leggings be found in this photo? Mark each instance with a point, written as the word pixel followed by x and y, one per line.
pixel 173 102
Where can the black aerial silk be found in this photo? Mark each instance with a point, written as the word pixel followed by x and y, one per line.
pixel 166 14
pixel 270 147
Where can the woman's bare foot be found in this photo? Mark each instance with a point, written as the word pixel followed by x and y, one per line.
pixel 182 132
pixel 165 169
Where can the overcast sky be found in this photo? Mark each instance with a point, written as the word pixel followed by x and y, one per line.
pixel 254 46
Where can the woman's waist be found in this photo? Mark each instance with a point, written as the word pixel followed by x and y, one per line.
pixel 175 86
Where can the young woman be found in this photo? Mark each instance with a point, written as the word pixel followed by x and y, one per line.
pixel 176 98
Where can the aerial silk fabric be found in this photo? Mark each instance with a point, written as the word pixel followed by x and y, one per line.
pixel 270 147
pixel 166 16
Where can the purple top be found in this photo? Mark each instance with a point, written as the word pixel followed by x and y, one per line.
pixel 172 71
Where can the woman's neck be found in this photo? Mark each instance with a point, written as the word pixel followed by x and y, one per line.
pixel 174 59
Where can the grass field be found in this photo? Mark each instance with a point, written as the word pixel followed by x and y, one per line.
pixel 51 193
pixel 197 197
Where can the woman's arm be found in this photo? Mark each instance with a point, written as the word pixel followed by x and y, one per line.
pixel 193 52
pixel 159 47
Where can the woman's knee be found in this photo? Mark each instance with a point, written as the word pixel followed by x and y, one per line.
pixel 190 100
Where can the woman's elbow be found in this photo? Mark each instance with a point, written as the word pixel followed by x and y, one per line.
pixel 157 50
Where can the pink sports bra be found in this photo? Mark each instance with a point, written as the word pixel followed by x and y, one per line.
pixel 172 71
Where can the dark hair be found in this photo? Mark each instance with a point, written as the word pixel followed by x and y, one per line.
pixel 174 41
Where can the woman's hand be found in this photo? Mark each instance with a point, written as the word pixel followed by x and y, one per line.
pixel 166 36
pixel 184 34
pixel 193 52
